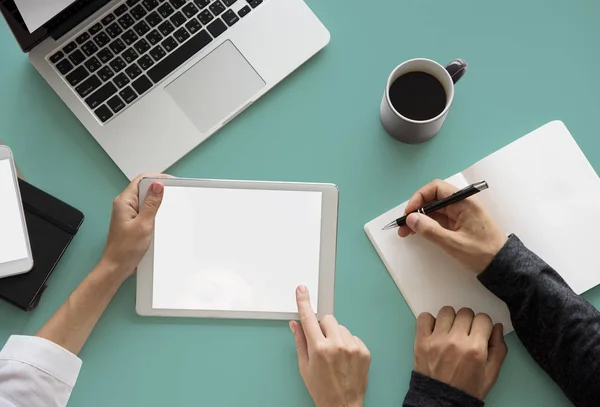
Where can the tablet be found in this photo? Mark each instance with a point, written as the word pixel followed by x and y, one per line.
pixel 239 249
pixel 15 248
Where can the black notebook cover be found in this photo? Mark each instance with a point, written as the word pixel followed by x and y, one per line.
pixel 51 224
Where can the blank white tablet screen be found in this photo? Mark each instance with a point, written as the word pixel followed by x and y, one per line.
pixel 13 243
pixel 236 249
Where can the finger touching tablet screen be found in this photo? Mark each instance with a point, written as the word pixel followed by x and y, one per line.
pixel 239 249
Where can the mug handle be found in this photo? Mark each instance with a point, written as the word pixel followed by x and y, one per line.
pixel 457 69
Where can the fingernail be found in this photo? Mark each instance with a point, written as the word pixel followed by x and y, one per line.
pixel 292 327
pixel 302 289
pixel 412 221
pixel 157 187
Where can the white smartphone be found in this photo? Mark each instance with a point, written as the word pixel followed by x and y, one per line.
pixel 15 250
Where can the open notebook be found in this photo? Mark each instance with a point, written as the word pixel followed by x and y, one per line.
pixel 543 189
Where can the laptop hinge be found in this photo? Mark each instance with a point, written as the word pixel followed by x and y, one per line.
pixel 76 19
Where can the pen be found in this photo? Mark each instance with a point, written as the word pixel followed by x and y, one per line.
pixel 442 203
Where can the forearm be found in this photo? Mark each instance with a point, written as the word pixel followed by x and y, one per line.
pixel 72 324
pixel 559 329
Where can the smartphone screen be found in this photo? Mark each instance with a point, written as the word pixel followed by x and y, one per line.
pixel 13 239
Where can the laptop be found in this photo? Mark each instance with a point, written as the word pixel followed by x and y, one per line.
pixel 152 79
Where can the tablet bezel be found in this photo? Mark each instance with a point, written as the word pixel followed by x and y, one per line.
pixel 329 221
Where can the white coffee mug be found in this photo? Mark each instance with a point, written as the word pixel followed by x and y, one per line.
pixel 417 131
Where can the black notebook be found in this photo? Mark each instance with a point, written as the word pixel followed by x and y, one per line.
pixel 51 224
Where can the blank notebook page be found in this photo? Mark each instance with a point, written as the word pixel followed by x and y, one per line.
pixel 429 278
pixel 544 190
pixel 236 250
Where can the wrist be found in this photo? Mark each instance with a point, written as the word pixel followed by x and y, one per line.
pixel 112 269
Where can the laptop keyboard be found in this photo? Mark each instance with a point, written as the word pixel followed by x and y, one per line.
pixel 133 47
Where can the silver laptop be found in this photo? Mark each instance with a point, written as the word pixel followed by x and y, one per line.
pixel 152 79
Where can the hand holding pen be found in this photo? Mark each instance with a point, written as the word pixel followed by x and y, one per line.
pixel 440 204
pixel 464 229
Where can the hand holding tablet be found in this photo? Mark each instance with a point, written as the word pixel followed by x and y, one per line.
pixel 239 249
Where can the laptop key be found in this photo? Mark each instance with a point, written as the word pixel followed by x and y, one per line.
pixel 179 56
pixel 116 104
pixel 142 84
pixel 141 28
pixel 77 76
pixel 105 55
pixel 82 38
pixel 166 28
pixel 126 21
pixel 138 12
pixel 217 28
pixel 230 17
pixel 129 55
pixel 244 11
pixel 129 37
pixel 202 3
pixel 70 47
pixel 57 57
pixel 169 44
pixel 255 3
pixel 157 53
pixel 177 3
pixel 117 46
pixel 178 19
pixel 181 35
pixel 193 26
pixel 153 19
pixel 228 2
pixel 108 19
pixel 114 30
pixel 141 46
pixel 145 62
pixel 121 80
pixel 154 37
pixel 92 64
pixel 133 71
pixel 119 11
pixel 150 4
pixel 132 3
pixel 128 94
pixel 105 73
pixel 88 86
pixel 64 66
pixel 77 57
pixel 117 64
pixel 166 10
pixel 103 113
pixel 102 39
pixel 95 29
pixel 190 10
pixel 89 48
pixel 217 8
pixel 205 17
pixel 100 96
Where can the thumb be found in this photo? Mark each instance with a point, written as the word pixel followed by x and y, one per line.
pixel 153 200
pixel 428 228
pixel 301 344
pixel 497 352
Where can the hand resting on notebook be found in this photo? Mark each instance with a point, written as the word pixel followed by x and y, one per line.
pixel 461 349
pixel 464 230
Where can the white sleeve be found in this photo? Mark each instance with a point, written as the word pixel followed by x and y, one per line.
pixel 36 372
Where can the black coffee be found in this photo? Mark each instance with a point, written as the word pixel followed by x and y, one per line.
pixel 418 96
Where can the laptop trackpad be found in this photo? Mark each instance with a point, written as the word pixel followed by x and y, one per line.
pixel 215 87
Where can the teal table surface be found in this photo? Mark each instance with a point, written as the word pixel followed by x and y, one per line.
pixel 530 62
